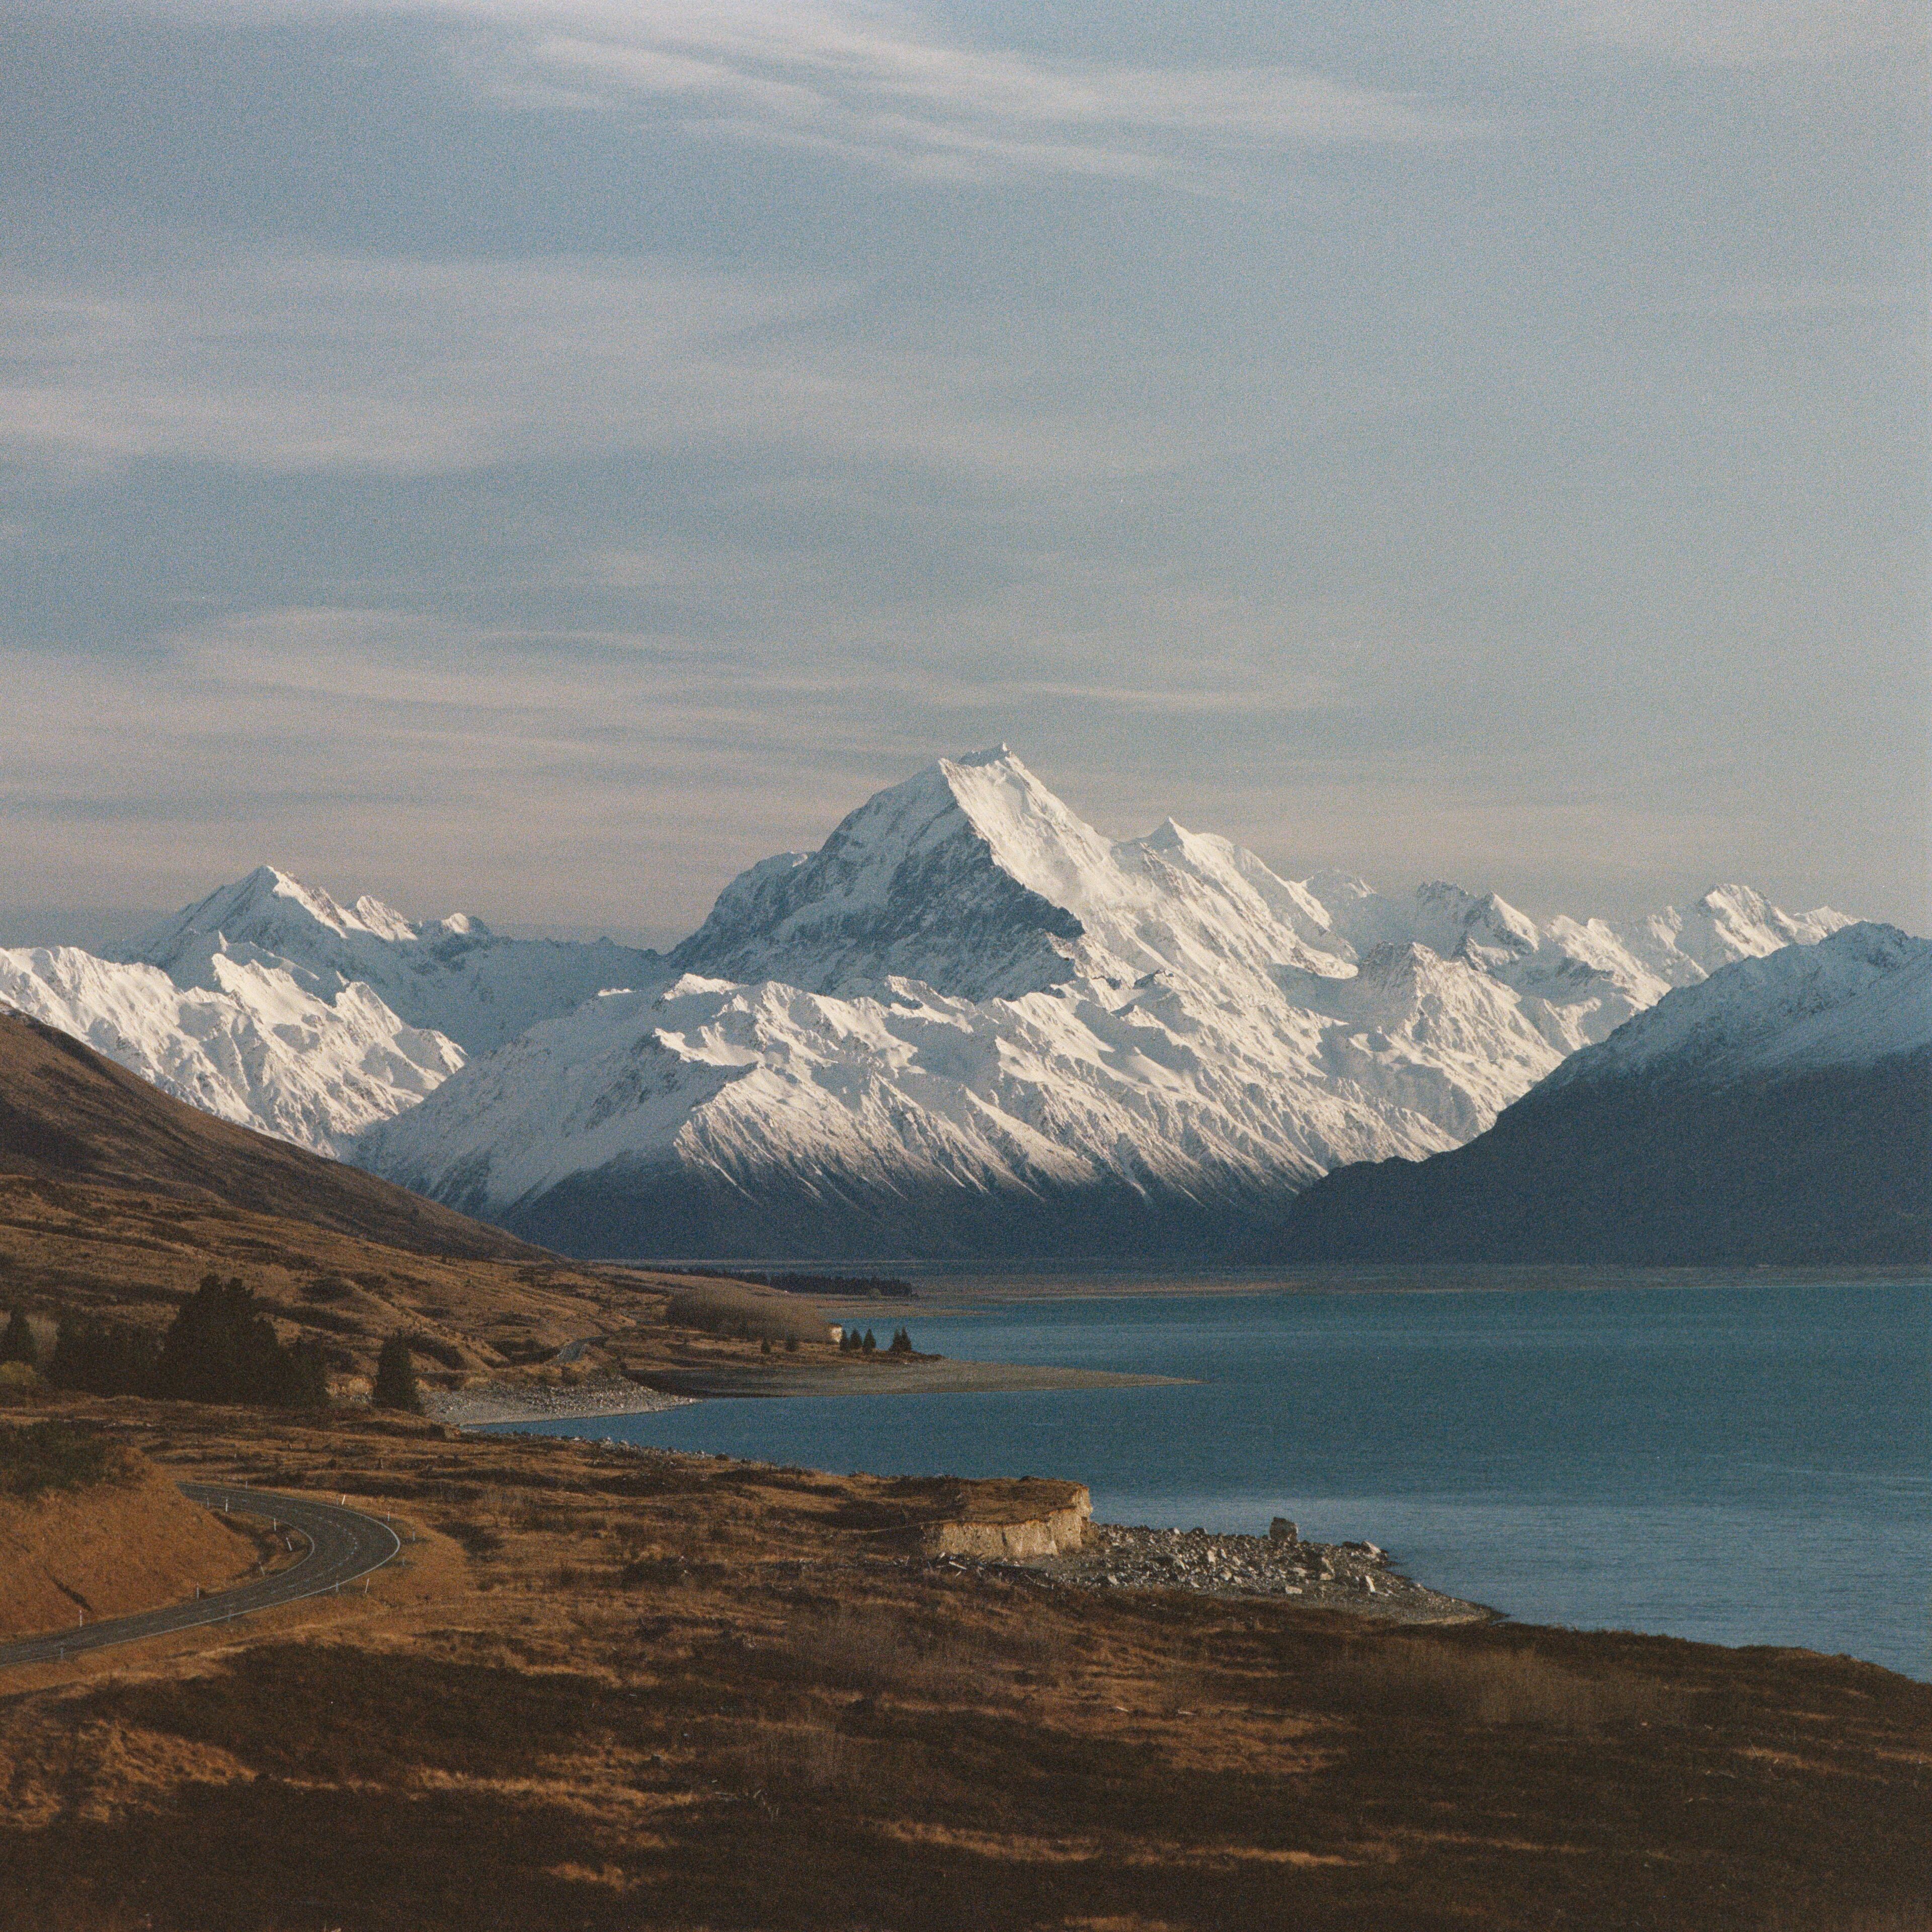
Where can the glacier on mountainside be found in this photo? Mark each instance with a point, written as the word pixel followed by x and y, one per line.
pixel 252 1045
pixel 969 1012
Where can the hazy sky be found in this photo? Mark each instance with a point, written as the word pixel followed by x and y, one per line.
pixel 539 458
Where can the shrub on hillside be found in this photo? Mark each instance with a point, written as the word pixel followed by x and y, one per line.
pixel 44 1456
pixel 327 1287
pixel 396 1377
pixel 18 1344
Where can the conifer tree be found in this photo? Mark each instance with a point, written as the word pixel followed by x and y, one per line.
pixel 18 1345
pixel 222 1348
pixel 396 1377
pixel 103 1358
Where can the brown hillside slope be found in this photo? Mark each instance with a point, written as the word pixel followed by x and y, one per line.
pixel 133 1255
pixel 132 1543
pixel 68 1114
pixel 613 1690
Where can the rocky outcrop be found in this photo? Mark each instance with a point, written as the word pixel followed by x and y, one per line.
pixel 992 1532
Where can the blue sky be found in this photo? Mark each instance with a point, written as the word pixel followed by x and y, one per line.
pixel 539 458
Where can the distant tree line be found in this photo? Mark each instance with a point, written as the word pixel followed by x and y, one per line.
pixel 840 1287
pixel 852 1342
pixel 220 1348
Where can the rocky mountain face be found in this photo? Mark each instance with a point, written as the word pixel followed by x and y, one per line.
pixel 971 1024
pixel 1780 1110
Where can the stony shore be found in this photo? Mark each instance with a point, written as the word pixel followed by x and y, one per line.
pixel 542 1402
pixel 1357 1577
pixel 1353 1576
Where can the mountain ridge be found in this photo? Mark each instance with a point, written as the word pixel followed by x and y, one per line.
pixel 68 1114
pixel 1779 1111
pixel 970 999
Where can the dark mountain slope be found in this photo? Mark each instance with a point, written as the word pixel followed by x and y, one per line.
pixel 68 1114
pixel 1779 1111
pixel 1828 1164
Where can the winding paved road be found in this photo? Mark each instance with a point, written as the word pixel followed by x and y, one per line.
pixel 343 1544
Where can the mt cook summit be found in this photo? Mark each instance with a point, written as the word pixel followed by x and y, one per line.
pixel 971 1023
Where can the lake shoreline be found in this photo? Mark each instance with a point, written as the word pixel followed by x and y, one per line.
pixel 502 1404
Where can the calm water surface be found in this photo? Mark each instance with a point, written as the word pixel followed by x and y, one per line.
pixel 1742 1463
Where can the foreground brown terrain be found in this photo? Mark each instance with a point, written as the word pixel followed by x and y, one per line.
pixel 611 1690
pixel 615 1690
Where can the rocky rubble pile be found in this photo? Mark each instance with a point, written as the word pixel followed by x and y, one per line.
pixel 537 1402
pixel 1329 1576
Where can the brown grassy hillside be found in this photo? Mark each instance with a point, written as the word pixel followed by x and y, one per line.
pixel 126 1540
pixel 68 1114
pixel 617 1691
pixel 135 1255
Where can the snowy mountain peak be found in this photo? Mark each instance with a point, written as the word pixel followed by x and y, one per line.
pixel 975 879
pixel 267 910
pixel 384 922
pixel 451 976
pixel 1033 836
pixel 1860 995
pixel 1748 921
pixel 932 879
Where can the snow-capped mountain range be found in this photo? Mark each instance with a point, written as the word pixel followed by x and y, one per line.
pixel 970 1018
pixel 252 1044
pixel 1863 995
pixel 967 1009
pixel 450 975
pixel 1780 1112
pixel 271 1005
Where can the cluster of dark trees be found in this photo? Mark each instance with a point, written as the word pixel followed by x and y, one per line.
pixel 396 1377
pixel 867 1344
pixel 220 1348
pixel 839 1287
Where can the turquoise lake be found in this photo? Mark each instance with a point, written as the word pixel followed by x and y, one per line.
pixel 1737 1462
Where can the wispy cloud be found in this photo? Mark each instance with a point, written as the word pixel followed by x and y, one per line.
pixel 295 362
pixel 878 86
pixel 885 87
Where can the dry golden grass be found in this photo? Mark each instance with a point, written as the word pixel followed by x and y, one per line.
pixel 618 1691
pixel 1478 1684
pixel 112 1548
